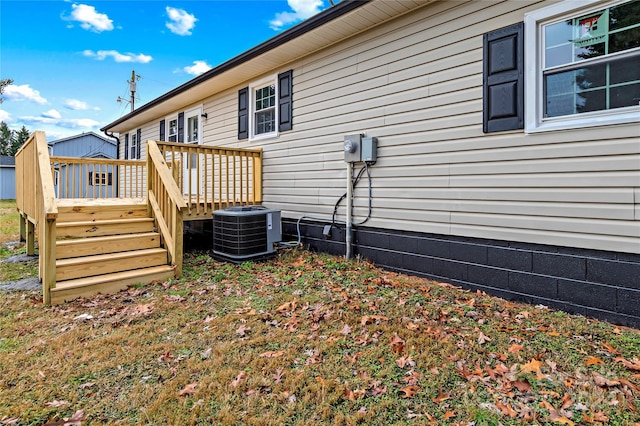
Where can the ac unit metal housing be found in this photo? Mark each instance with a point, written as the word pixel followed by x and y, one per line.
pixel 245 232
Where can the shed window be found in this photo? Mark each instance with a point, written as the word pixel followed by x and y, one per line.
pixel 587 71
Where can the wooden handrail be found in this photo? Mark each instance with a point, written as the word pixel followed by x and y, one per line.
pixel 36 202
pixel 98 177
pixel 166 204
pixel 214 177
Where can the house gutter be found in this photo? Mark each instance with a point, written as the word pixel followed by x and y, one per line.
pixel 334 12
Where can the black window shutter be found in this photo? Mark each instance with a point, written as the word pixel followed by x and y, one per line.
pixel 503 79
pixel 243 113
pixel 162 135
pixel 90 178
pixel 285 100
pixel 139 138
pixel 181 127
pixel 126 146
pixel 110 179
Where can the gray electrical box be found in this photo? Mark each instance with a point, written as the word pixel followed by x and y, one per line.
pixel 352 148
pixel 358 149
pixel 369 150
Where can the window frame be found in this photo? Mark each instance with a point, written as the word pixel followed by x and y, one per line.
pixel 196 111
pixel 133 145
pixel 534 72
pixel 100 178
pixel 273 79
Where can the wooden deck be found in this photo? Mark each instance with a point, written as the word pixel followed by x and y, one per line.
pixel 105 224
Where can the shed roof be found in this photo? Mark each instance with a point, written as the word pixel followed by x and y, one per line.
pixel 7 160
pixel 337 23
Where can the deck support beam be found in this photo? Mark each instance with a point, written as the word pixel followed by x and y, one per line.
pixel 30 237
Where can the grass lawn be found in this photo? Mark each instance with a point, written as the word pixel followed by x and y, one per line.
pixel 308 339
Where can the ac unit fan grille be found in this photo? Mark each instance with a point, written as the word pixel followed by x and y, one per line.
pixel 240 236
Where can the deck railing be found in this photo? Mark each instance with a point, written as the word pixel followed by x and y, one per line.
pixel 166 204
pixel 98 178
pixel 36 202
pixel 214 178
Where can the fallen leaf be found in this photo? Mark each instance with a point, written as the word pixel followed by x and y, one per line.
pixel 279 374
pixel 410 391
pixel 449 414
pixel 404 361
pixel 239 379
pixel 522 386
pixel 507 410
pixel 482 338
pixel 602 381
pixel 598 417
pixel 288 306
pixel 272 354
pixel 441 396
pixel 397 344
pixel 242 330
pixel 346 329
pixel 592 360
pixel 607 347
pixel 515 348
pixel 631 365
pixel 56 403
pixel 566 402
pixel 555 416
pixel 366 319
pixel 189 389
pixel 532 366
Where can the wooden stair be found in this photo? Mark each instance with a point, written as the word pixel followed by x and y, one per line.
pixel 103 246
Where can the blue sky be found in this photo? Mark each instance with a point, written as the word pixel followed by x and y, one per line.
pixel 70 61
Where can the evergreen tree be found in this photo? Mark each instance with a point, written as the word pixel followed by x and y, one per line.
pixel 6 139
pixel 4 83
pixel 19 138
pixel 11 140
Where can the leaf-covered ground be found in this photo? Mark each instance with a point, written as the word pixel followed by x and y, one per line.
pixel 309 339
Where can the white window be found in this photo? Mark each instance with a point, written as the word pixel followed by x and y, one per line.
pixel 133 145
pixel 172 130
pixel 100 178
pixel 263 117
pixel 582 65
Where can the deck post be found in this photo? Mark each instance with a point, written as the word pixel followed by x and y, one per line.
pixel 31 237
pixel 49 269
pixel 23 228
pixel 178 231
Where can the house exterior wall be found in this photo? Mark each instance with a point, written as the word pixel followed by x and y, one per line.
pixel 415 83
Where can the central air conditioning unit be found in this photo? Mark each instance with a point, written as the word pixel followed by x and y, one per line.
pixel 245 233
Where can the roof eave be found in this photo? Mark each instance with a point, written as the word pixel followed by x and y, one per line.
pixel 328 15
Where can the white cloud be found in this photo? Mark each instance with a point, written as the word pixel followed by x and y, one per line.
pixel 52 113
pixel 76 105
pixel 181 22
pixel 90 19
pixel 71 123
pixel 5 116
pixel 23 93
pixel 301 10
pixel 101 55
pixel 197 68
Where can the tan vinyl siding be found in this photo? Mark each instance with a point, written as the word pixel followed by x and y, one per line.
pixel 416 84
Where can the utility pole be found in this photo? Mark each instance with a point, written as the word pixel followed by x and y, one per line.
pixel 132 88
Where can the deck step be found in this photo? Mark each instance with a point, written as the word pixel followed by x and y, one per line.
pixel 102 228
pixel 80 247
pixel 109 283
pixel 81 210
pixel 89 266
